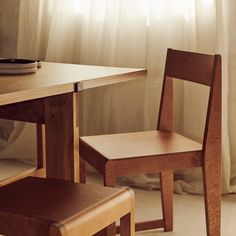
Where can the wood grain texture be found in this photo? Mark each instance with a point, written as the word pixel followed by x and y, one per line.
pixel 127 222
pixel 212 154
pixel 146 143
pixel 36 206
pixel 165 115
pixel 62 137
pixel 41 146
pixel 30 111
pixel 87 84
pixel 153 164
pixel 57 78
pixel 167 187
pixel 194 67
pixel 18 177
pixel 43 98
pixel 164 151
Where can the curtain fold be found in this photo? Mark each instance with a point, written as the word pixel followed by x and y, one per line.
pixel 136 33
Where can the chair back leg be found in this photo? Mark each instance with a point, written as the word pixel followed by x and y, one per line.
pixel 212 197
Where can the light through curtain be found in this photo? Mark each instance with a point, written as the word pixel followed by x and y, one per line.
pixel 131 33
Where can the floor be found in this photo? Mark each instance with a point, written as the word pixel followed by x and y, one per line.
pixel 189 218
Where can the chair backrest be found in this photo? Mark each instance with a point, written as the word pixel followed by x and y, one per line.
pixel 199 68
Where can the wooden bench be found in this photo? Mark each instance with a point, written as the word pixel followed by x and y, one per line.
pixel 37 206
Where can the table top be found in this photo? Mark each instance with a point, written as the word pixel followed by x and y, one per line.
pixel 58 78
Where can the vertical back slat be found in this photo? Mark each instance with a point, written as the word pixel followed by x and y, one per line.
pixel 165 120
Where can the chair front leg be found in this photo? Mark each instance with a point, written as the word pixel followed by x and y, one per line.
pixel 167 180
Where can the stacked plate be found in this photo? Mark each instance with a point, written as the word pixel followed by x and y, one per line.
pixel 18 66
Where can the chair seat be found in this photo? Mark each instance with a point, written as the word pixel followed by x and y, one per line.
pixel 140 144
pixel 36 203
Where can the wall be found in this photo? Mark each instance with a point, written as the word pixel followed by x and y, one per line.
pixel 9 13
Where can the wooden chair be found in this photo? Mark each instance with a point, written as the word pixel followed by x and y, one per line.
pixel 165 151
pixel 40 207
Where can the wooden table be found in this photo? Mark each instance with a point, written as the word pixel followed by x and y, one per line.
pixel 50 97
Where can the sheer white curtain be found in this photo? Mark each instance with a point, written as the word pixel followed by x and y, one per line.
pixel 136 33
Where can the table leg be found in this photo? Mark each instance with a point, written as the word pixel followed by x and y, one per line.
pixel 62 154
